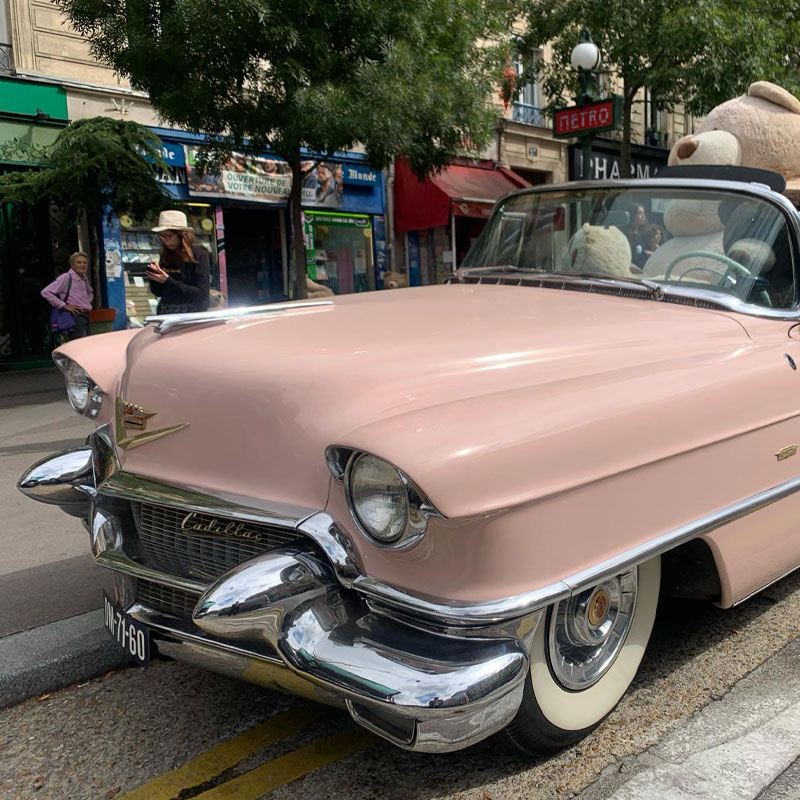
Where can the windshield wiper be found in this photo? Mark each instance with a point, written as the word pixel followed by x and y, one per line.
pixel 653 289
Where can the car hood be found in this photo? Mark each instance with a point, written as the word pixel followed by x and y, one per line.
pixel 485 395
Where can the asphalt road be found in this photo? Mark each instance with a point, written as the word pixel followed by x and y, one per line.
pixel 46 572
pixel 718 696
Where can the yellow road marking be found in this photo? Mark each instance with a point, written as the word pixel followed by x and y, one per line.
pixel 226 755
pixel 257 782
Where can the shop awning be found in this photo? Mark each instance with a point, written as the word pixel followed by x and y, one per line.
pixel 465 191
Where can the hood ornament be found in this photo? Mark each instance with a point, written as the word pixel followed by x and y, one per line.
pixel 130 417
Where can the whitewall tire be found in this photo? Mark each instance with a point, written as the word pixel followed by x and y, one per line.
pixel 585 653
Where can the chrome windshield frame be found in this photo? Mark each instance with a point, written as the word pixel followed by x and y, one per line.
pixel 720 299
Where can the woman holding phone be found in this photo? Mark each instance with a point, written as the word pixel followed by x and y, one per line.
pixel 181 279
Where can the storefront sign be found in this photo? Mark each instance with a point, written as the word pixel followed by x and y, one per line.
pixel 575 120
pixel 173 154
pixel 604 162
pixel 462 208
pixel 339 219
pixel 360 176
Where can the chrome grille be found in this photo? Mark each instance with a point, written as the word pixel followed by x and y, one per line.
pixel 165 599
pixel 200 545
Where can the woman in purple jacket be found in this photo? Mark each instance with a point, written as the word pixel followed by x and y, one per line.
pixel 71 291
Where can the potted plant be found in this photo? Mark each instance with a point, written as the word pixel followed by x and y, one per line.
pixel 101 320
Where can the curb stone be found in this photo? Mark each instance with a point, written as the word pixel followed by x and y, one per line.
pixel 55 656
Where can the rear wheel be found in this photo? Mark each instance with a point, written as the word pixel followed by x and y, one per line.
pixel 584 656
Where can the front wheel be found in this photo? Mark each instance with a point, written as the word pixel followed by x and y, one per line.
pixel 584 656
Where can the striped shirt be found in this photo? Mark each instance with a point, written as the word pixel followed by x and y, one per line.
pixel 80 292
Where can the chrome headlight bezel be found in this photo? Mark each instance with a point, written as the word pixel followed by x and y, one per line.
pixel 341 462
pixel 90 406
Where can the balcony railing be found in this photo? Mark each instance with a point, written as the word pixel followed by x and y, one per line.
pixel 656 138
pixel 529 115
pixel 6 59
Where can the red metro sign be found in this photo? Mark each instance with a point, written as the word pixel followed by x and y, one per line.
pixel 575 120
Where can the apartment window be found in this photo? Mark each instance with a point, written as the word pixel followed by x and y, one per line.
pixel 6 61
pixel 528 101
pixel 655 121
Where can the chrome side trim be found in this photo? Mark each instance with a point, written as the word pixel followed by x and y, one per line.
pixel 130 486
pixel 504 609
pixel 474 614
pixel 167 322
pixel 121 563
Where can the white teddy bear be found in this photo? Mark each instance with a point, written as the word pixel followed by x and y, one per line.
pixel 594 248
pixel 693 225
pixel 760 129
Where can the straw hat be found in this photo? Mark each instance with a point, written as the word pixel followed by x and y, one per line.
pixel 172 221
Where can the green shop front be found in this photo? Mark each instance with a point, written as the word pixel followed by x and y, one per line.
pixel 340 252
pixel 35 242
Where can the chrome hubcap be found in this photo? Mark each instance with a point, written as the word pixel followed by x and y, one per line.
pixel 587 631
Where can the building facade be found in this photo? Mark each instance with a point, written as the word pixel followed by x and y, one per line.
pixel 358 222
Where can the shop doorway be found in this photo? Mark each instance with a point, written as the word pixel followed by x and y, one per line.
pixel 253 253
pixel 35 245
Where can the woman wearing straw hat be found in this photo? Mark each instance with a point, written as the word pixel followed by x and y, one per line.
pixel 181 278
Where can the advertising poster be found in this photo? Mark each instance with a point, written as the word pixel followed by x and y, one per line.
pixel 327 184
pixel 261 180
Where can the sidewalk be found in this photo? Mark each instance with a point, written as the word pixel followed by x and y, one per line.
pixel 746 745
pixel 51 631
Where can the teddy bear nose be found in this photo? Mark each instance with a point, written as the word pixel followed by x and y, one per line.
pixel 685 149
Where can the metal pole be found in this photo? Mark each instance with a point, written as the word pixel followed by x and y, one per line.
pixel 586 152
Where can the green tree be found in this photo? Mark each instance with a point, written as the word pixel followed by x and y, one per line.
pixel 94 167
pixel 696 52
pixel 411 77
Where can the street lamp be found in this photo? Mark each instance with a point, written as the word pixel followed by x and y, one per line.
pixel 585 58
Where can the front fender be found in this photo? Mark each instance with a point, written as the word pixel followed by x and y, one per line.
pixel 103 356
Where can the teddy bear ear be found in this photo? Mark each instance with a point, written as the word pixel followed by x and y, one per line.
pixel 775 94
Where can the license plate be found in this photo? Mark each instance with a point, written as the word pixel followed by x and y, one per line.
pixel 129 634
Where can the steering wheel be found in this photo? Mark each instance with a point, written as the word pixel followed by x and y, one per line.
pixel 733 268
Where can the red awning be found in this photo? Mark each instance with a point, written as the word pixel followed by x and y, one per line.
pixel 464 191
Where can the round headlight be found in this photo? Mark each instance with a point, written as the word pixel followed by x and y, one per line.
pixel 78 386
pixel 379 498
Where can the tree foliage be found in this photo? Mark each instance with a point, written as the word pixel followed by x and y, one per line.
pixel 696 52
pixel 95 167
pixel 411 77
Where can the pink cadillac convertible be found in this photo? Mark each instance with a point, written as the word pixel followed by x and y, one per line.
pixel 451 510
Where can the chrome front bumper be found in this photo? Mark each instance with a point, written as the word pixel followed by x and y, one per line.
pixel 291 619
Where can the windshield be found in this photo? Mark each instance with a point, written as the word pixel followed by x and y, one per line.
pixel 713 240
